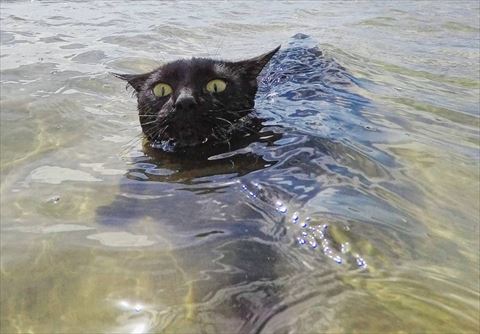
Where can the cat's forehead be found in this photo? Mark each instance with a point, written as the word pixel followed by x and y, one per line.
pixel 196 68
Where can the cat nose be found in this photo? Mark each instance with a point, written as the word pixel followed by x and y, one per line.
pixel 185 102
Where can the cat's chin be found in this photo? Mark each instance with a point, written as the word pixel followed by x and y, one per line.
pixel 188 139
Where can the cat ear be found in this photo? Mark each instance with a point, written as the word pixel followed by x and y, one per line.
pixel 254 66
pixel 134 80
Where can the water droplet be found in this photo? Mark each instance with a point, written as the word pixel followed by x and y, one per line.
pixel 138 308
pixel 319 234
pixel 301 241
pixel 280 207
pixel 304 225
pixel 304 234
pixel 295 217
pixel 361 262
pixel 345 247
pixel 337 259
pixel 313 244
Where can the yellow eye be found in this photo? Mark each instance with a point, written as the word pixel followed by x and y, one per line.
pixel 216 86
pixel 162 89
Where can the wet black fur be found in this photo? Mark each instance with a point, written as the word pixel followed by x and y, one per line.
pixel 216 117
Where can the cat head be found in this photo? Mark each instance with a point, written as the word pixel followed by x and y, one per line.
pixel 195 101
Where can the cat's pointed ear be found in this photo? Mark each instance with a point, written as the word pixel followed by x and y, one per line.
pixel 255 65
pixel 134 80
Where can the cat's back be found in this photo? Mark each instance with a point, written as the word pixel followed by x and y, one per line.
pixel 301 64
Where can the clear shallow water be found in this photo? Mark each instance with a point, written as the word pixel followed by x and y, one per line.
pixel 99 234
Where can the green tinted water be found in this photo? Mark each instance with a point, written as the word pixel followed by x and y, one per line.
pixel 83 250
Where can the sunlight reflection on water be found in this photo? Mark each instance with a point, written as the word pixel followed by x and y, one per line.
pixel 355 209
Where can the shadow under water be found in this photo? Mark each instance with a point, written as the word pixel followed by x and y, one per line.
pixel 286 220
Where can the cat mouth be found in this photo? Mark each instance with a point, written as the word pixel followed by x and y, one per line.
pixel 189 136
pixel 176 134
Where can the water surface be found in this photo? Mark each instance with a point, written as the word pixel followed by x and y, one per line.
pixel 356 211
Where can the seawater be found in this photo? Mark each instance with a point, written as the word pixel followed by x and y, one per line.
pixel 355 210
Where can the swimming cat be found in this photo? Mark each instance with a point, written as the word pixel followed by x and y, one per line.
pixel 233 219
pixel 193 102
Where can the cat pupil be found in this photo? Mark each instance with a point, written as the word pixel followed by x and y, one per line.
pixel 215 87
pixel 163 91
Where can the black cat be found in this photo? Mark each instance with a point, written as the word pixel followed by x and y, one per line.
pixel 221 211
pixel 194 102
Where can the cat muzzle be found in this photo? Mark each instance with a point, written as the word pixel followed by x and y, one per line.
pixel 185 102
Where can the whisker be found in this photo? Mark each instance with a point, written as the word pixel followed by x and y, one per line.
pixel 223 119
pixel 130 144
pixel 151 122
pixel 136 139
